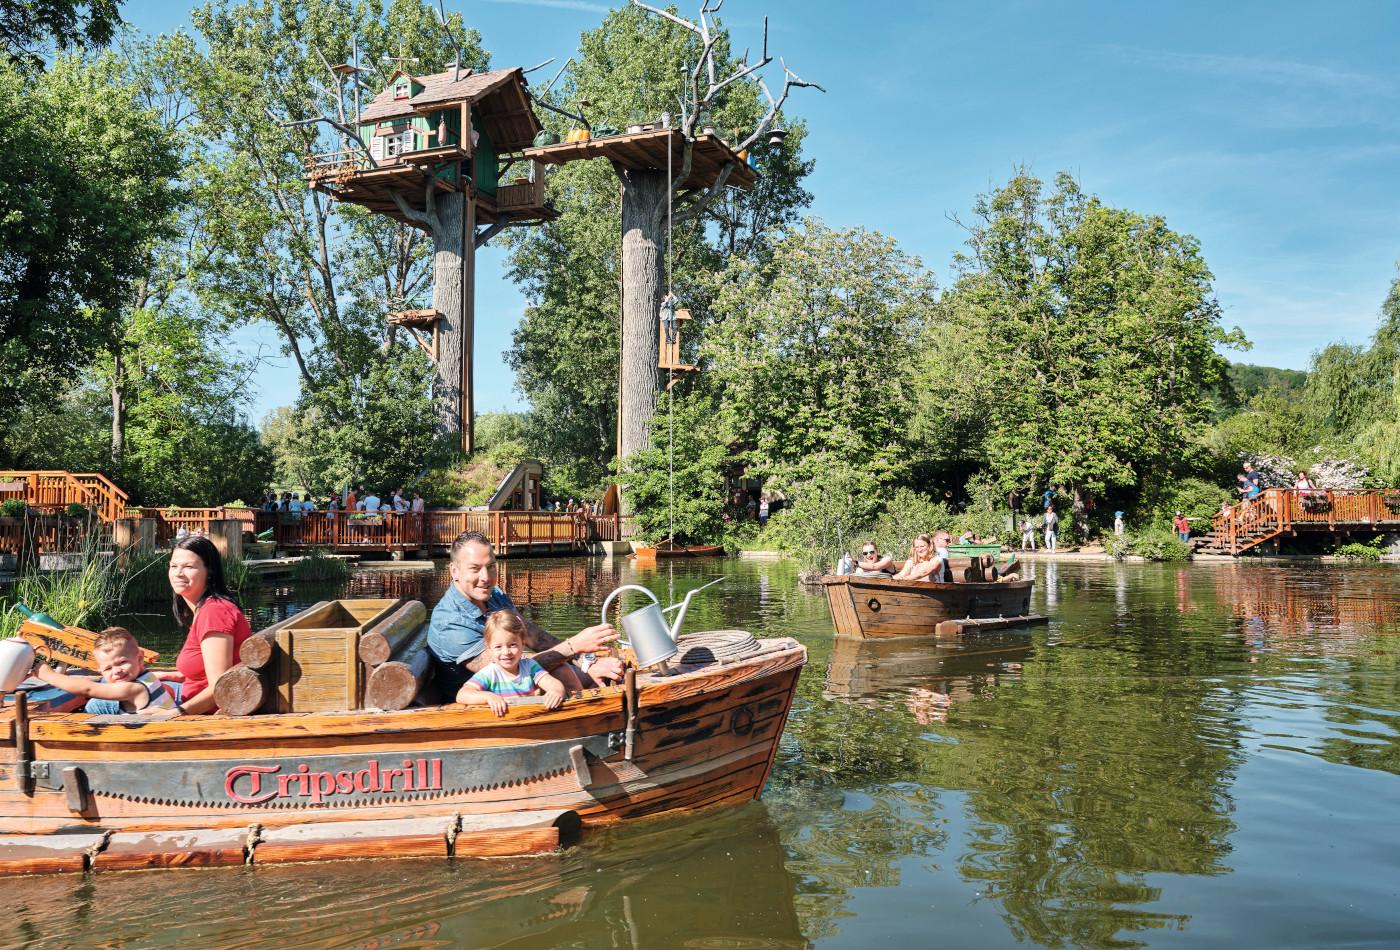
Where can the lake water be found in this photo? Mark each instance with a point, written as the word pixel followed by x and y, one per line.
pixel 1201 756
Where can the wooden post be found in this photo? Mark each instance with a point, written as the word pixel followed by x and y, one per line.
pixel 227 536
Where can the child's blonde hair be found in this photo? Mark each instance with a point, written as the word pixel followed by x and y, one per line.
pixel 114 636
pixel 504 621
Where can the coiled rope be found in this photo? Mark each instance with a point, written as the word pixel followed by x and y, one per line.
pixel 714 646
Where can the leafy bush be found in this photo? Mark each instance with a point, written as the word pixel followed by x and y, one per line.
pixel 1160 544
pixel 1117 547
pixel 1199 500
pixel 825 514
pixel 12 508
pixel 1356 549
pixel 75 510
pixel 693 477
pixel 907 515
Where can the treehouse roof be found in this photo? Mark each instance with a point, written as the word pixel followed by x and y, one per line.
pixel 499 97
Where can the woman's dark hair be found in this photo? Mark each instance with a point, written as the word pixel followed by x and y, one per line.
pixel 215 586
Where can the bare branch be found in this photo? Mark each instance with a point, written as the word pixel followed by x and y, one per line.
pixel 666 15
pixel 491 230
pixel 340 127
pixel 790 81
pixel 550 85
pixel 412 213
pixel 695 203
pixel 526 72
pixel 577 117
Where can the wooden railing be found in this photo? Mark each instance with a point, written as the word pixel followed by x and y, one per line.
pixel 169 521
pixel 47 534
pixel 507 530
pixel 522 191
pixel 1277 510
pixel 56 489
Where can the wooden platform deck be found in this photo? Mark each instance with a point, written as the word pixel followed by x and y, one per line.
pixel 1281 513
pixel 512 533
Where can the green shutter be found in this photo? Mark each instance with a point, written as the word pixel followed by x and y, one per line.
pixel 484 164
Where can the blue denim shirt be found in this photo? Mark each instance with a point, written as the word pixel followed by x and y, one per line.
pixel 455 632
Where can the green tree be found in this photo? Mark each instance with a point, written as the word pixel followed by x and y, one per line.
pixel 810 354
pixel 28 26
pixel 678 482
pixel 375 430
pixel 89 176
pixel 1098 335
pixel 566 350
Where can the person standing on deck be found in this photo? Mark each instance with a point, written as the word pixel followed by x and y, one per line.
pixel 1052 521
pixel 455 632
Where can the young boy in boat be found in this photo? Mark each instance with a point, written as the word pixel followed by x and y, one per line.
pixel 510 672
pixel 126 685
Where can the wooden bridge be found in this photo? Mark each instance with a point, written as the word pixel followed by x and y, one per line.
pixel 432 532
pixel 1282 513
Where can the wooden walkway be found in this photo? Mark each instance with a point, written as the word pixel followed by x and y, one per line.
pixel 432 532
pixel 1281 513
pixel 55 490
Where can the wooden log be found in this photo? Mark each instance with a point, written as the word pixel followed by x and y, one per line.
pixel 241 691
pixel 395 684
pixel 391 636
pixel 259 650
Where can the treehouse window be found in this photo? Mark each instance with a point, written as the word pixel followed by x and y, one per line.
pixel 401 90
pixel 398 144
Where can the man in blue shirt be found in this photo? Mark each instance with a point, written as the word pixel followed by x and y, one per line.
pixel 459 619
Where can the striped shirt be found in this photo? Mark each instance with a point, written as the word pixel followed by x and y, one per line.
pixel 493 679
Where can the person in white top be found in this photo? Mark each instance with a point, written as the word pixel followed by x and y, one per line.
pixel 400 502
pixel 371 502
pixel 418 505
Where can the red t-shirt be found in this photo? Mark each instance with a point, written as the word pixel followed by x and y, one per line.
pixel 215 616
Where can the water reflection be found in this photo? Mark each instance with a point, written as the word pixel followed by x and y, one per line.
pixel 717 881
pixel 927 675
pixel 1187 752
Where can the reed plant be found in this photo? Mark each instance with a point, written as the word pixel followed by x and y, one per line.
pixel 317 565
pixel 78 598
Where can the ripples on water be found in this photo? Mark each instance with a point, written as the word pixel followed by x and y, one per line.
pixel 1201 754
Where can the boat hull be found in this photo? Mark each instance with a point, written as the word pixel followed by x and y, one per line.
pixel 873 608
pixel 703 736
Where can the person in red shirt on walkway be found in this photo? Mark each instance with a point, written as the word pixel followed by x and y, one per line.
pixel 1182 526
pixel 217 627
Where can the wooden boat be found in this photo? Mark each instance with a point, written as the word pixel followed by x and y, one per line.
pixel 876 607
pixel 95 792
pixel 682 550
pixel 689 550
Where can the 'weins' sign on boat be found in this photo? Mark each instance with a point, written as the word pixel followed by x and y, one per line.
pixel 255 784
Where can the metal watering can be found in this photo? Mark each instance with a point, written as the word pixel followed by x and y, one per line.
pixel 650 638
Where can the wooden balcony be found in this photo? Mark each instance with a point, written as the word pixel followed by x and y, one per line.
pixel 1280 512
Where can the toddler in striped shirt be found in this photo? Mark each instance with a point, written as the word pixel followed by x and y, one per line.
pixel 510 673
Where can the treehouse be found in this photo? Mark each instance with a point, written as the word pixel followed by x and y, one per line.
pixel 413 134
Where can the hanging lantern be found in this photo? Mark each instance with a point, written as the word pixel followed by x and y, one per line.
pixel 776 136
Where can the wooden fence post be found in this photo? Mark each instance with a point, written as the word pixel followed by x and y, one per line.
pixel 227 536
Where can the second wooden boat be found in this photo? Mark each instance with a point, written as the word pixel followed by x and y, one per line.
pixel 876 607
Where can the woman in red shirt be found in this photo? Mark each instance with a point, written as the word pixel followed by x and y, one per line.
pixel 217 625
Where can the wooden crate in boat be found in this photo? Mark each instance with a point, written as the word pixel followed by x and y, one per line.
pixel 318 667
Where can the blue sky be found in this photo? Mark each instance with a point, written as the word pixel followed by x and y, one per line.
pixel 1267 130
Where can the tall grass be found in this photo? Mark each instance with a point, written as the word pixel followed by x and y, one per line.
pixel 103 584
pixel 317 565
pixel 78 598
